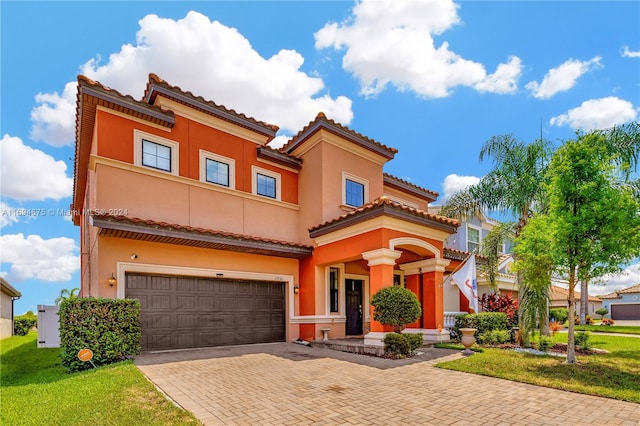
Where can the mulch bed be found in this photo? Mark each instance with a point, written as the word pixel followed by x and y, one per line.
pixel 562 349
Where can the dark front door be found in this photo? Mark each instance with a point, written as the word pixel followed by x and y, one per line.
pixel 354 307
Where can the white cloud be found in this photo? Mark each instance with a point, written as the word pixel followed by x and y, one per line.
pixel 30 174
pixel 611 283
pixel 53 260
pixel 54 117
pixel 8 215
pixel 630 53
pixel 504 80
pixel 213 61
pixel 597 114
pixel 456 183
pixel 391 42
pixel 562 78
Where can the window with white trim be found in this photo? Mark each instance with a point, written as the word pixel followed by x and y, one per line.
pixel 334 289
pixel 266 183
pixel 217 169
pixel 473 239
pixel 355 190
pixel 155 152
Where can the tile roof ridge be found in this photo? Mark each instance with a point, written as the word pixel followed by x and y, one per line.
pixel 406 182
pixel 157 80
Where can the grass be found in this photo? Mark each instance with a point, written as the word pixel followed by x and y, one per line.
pixel 624 329
pixel 37 390
pixel 612 375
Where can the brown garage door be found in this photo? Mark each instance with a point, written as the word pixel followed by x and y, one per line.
pixel 190 312
pixel 628 311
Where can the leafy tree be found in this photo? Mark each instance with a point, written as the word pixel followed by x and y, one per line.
pixel 594 222
pixel 395 306
pixel 602 312
pixel 67 294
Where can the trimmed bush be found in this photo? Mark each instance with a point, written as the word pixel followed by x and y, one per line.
pixel 109 327
pixel 545 343
pixel 494 337
pixel 398 345
pixel 560 315
pixel 396 306
pixel 602 312
pixel 581 339
pixel 22 325
pixel 483 321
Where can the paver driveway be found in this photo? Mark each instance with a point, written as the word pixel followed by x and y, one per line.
pixel 289 384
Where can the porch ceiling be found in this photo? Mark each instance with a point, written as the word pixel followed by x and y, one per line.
pixel 162 232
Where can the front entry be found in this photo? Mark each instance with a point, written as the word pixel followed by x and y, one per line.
pixel 354 307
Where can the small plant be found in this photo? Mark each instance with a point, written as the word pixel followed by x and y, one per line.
pixel 582 340
pixel 545 343
pixel 587 320
pixel 555 326
pixel 398 345
pixel 602 312
pixel 606 321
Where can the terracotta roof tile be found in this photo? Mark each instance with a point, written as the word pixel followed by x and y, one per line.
pixel 227 113
pixel 616 294
pixel 433 194
pixel 385 201
pixel 330 125
pixel 562 294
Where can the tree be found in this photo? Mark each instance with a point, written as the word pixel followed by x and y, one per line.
pixel 67 294
pixel 395 306
pixel 602 312
pixel 594 222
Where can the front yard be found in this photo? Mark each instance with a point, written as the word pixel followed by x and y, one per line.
pixel 612 375
pixel 36 390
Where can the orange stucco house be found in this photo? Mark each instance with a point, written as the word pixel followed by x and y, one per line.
pixel 182 204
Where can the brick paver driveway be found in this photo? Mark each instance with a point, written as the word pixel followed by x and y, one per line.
pixel 289 384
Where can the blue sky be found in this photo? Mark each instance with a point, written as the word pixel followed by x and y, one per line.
pixel 434 80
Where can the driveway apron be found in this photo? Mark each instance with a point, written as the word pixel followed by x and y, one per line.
pixel 289 384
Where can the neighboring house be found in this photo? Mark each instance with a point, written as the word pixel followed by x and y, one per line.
pixel 559 297
pixel 7 295
pixel 182 204
pixel 623 304
pixel 460 245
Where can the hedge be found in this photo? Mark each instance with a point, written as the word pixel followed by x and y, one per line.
pixel 482 321
pixel 399 345
pixel 108 327
pixel 22 325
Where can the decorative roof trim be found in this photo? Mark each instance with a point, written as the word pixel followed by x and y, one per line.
pixel 161 232
pixel 403 185
pixel 278 157
pixel 157 86
pixel 322 122
pixel 385 207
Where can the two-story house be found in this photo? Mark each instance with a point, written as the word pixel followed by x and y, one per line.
pixel 182 204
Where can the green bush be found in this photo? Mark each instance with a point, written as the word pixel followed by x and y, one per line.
pixel 582 340
pixel 482 321
pixel 494 337
pixel 602 312
pixel 545 343
pixel 399 345
pixel 396 306
pixel 22 325
pixel 560 315
pixel 109 327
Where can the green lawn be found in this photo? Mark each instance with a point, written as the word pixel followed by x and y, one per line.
pixel 36 390
pixel 623 329
pixel 613 375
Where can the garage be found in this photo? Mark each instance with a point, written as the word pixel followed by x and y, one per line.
pixel 191 312
pixel 627 311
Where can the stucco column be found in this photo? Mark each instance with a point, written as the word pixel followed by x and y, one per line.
pixel 381 264
pixel 432 291
pixel 412 283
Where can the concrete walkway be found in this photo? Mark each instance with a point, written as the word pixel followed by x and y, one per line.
pixel 289 384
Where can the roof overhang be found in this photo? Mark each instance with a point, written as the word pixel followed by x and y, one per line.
pixel 8 288
pixel 158 232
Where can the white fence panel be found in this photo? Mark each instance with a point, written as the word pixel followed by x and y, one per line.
pixel 48 327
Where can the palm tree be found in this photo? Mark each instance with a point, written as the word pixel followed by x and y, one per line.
pixel 67 294
pixel 514 187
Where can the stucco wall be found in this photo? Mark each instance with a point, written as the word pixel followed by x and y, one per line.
pixel 6 321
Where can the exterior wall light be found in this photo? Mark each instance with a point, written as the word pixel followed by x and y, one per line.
pixel 296 289
pixel 112 281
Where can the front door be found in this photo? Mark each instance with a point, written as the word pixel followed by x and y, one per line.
pixel 354 307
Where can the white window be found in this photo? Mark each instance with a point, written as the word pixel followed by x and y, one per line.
pixel 155 152
pixel 355 190
pixel 473 239
pixel 217 169
pixel 265 183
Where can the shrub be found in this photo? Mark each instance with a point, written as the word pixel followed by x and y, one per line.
pixel 482 321
pixel 606 321
pixel 559 315
pixel 581 340
pixel 545 343
pixel 494 337
pixel 555 326
pixel 501 303
pixel 400 345
pixel 109 327
pixel 396 306
pixel 587 320
pixel 602 312
pixel 22 325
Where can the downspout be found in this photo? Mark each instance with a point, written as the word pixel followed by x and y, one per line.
pixel 13 299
